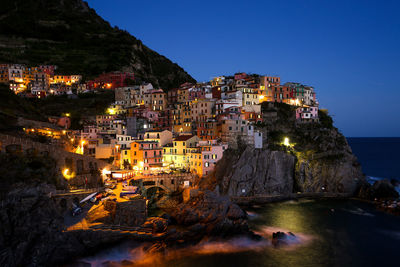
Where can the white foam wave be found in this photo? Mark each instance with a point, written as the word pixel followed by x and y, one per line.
pixel 359 211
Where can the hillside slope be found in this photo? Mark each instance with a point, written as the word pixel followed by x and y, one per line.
pixel 70 34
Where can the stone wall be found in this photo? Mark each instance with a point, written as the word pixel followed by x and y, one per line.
pixel 127 213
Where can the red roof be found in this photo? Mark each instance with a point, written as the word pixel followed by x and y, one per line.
pixel 183 137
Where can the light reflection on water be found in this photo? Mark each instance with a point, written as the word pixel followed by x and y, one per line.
pixel 330 233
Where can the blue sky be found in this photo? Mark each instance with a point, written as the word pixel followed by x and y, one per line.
pixel 348 50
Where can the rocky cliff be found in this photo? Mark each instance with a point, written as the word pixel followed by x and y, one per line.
pixel 318 159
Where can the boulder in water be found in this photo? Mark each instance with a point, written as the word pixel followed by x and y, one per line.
pixel 282 238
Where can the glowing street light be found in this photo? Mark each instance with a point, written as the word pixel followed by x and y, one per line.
pixel 111 111
pixel 286 141
pixel 67 175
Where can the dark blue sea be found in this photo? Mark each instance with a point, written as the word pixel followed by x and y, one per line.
pixel 379 157
pixel 329 232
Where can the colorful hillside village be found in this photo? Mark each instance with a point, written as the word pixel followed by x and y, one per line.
pixel 148 130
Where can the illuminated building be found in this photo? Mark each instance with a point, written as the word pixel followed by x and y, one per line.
pixel 15 73
pixel 146 156
pixel 205 156
pixel 176 154
pixel 307 113
pixel 162 137
pixel 111 80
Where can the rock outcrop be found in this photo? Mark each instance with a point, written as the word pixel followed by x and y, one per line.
pixel 258 172
pixel 209 214
pixel 381 190
pixel 32 231
pixel 341 175
pixel 30 227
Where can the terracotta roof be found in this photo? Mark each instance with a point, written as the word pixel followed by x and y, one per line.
pixel 183 137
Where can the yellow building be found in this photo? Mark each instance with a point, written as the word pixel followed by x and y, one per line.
pixel 250 96
pixel 176 155
pixel 66 79
pixel 195 161
pixel 125 162
pixel 182 119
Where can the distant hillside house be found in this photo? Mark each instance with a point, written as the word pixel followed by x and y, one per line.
pixel 111 80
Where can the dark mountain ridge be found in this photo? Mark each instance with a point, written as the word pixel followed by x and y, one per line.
pixel 70 34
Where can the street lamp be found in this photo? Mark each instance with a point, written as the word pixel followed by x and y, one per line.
pixel 286 141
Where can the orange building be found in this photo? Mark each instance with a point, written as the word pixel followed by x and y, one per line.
pixel 207 130
pixel 146 156
pixel 28 75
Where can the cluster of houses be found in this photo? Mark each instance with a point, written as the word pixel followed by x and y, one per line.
pixel 150 130
pixel 188 128
pixel 41 81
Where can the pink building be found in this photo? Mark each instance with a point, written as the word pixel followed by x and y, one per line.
pixel 211 152
pixel 307 113
pixel 89 132
pixel 205 156
pixel 150 115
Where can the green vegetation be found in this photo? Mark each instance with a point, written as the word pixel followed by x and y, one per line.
pixel 13 106
pixel 71 35
pixel 83 105
pixel 318 137
pixel 325 120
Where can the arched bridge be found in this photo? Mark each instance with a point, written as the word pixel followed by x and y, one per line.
pixel 168 182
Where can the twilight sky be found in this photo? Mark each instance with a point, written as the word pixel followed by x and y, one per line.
pixel 348 50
